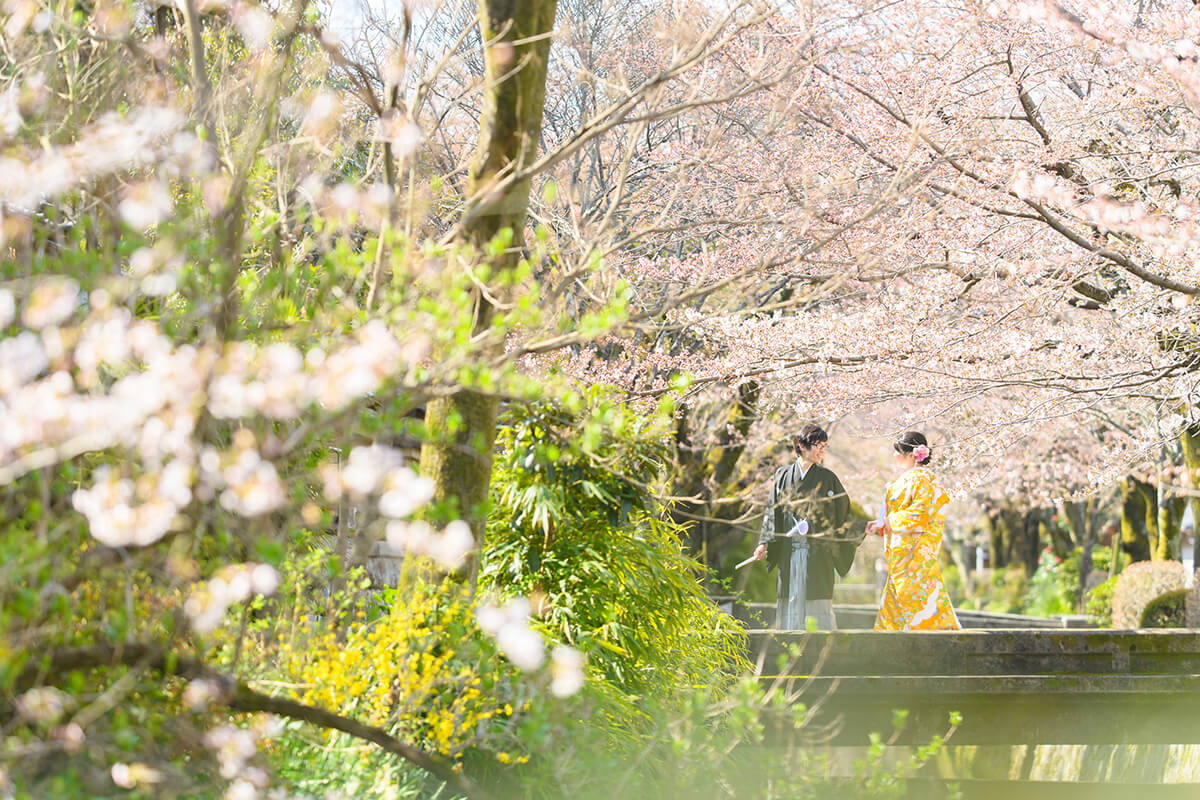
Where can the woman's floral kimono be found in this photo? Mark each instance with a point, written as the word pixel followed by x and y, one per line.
pixel 915 598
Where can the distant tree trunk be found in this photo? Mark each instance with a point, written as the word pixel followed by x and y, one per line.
pixel 1013 536
pixel 461 428
pixel 1080 518
pixel 1037 526
pixel 1062 538
pixel 1170 521
pixel 704 473
pixel 1139 518
pixel 1190 440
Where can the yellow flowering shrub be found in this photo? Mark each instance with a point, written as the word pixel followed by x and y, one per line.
pixel 423 671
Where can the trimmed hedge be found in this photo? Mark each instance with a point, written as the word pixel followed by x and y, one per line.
pixel 1168 610
pixel 1141 583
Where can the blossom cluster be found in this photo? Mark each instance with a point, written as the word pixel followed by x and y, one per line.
pixel 509 625
pixel 234 583
pixel 234 748
pixel 111 381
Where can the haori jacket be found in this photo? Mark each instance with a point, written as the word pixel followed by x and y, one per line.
pixel 820 498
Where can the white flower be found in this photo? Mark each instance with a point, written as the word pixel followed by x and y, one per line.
pixel 207 604
pixel 255 491
pixel 128 776
pixel 71 737
pixel 204 610
pixel 8 308
pixel 410 537
pixel 51 302
pixel 115 517
pixel 405 492
pixel 233 747
pixel 43 705
pixel 200 693
pixel 264 579
pixel 366 467
pixel 522 645
pixel 241 790
pixel 145 204
pixel 509 626
pixel 566 671
pixel 255 25
pixel 450 550
pixel 121 775
pixel 103 342
pixel 10 113
pixel 322 116
pixel 22 358
pixel 404 135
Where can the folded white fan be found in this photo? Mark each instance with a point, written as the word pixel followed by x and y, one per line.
pixel 799 529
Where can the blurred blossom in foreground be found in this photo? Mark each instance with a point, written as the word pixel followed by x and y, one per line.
pixel 42 705
pixel 378 468
pixel 364 471
pixel 449 549
pixel 114 516
pixel 129 776
pixel 207 604
pixel 111 144
pixel 509 626
pixel 234 747
pixel 200 693
pixel 566 671
pixel 404 493
pixel 51 302
pixel 145 204
pixel 8 308
pixel 71 737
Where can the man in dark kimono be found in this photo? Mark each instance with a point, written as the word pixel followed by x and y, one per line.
pixel 806 531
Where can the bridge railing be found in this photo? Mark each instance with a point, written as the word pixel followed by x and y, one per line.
pixel 1011 687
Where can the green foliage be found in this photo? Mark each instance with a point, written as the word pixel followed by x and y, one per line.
pixel 1168 610
pixel 706 745
pixel 574 527
pixel 1006 590
pixel 1099 602
pixel 1054 587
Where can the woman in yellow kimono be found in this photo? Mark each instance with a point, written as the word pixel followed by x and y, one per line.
pixel 912 522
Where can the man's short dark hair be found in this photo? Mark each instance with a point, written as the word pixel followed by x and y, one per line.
pixel 809 436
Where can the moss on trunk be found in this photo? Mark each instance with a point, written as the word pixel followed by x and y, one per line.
pixel 1139 518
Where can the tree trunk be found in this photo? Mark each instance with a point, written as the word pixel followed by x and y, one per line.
pixel 704 475
pixel 1139 518
pixel 1190 440
pixel 1036 527
pixel 1009 538
pixel 1079 517
pixel 461 428
pixel 1170 520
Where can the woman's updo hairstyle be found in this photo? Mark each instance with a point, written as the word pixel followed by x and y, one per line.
pixel 910 442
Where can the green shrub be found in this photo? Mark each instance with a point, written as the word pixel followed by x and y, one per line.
pixel 1101 558
pixel 1006 590
pixel 573 527
pixel 1168 610
pixel 1100 601
pixel 1054 585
